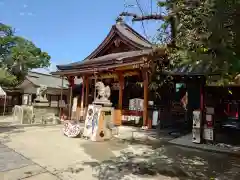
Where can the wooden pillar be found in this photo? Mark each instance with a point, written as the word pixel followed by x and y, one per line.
pixel 202 103
pixel 70 103
pixel 50 99
pixel 145 101
pixel 71 84
pixel 95 91
pixel 87 92
pixel 121 84
pixel 61 97
pixel 82 96
pixel 202 109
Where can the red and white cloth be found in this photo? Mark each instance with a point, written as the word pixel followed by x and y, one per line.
pixel 71 129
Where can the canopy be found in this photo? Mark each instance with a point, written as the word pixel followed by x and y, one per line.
pixel 2 92
pixel 3 95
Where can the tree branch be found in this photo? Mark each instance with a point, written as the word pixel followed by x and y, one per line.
pixel 174 11
pixel 135 17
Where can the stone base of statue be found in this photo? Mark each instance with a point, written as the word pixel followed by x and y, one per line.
pixel 42 104
pixel 105 103
pixel 99 123
pixel 41 101
pixel 43 113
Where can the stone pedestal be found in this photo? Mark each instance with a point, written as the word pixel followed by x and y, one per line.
pixel 41 104
pixel 43 114
pixel 104 103
pixel 99 122
pixel 28 115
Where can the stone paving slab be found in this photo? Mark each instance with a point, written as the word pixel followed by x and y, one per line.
pixel 21 173
pixel 186 141
pixel 11 160
pixel 1 145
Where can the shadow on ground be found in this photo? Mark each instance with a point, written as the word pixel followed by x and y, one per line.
pixel 7 131
pixel 150 160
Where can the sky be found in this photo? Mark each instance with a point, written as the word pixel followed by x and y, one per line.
pixel 69 30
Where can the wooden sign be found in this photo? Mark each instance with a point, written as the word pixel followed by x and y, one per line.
pixel 196 119
pixel 91 122
pixel 74 106
pixel 98 122
pixel 208 134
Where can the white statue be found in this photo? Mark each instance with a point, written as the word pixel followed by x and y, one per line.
pixel 104 92
pixel 41 94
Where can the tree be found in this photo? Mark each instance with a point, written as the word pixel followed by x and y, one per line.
pixel 200 32
pixel 18 56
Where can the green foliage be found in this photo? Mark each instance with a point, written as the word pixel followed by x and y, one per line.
pixel 18 56
pixel 6 78
pixel 205 32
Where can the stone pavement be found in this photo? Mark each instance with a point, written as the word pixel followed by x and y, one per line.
pixel 47 147
pixel 44 153
pixel 14 166
pixel 186 141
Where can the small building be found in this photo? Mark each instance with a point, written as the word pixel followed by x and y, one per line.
pixel 33 80
pixel 120 61
pixel 13 98
pixel 25 92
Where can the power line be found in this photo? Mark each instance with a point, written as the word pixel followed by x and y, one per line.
pixel 140 8
pixel 151 6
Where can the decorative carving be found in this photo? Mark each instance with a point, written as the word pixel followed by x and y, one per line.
pixel 41 94
pixel 117 42
pixel 117 47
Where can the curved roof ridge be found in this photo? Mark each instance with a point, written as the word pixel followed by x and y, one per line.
pixel 125 32
pixel 135 33
pixel 103 43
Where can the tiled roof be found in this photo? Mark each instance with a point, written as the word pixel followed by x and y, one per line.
pixel 46 79
pixel 132 35
pixel 193 69
pixel 113 58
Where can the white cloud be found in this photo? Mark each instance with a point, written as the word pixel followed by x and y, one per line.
pixel 26 14
pixel 30 14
